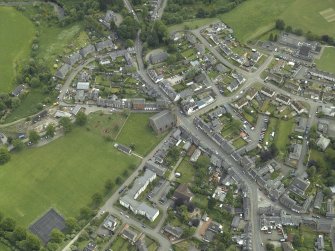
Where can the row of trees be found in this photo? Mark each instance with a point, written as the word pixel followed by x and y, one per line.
pixel 178 11
pixel 16 236
pixel 280 25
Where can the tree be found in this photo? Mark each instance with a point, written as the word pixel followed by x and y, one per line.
pixel 19 234
pixel 271 37
pixel 108 185
pixel 18 144
pixel 71 224
pixel 211 203
pixel 56 236
pixel 269 247
pixel 280 24
pixel 289 29
pixel 67 124
pixel 297 241
pixel 4 155
pixel 50 130
pixel 8 225
pixel 96 199
pixel 118 180
pixel 32 243
pixel 34 137
pixel 85 213
pixel 81 119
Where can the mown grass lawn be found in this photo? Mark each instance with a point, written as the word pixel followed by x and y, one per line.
pixel 121 244
pixel 187 171
pixel 327 60
pixel 284 129
pixel 16 34
pixel 67 172
pixel 137 132
pixel 239 143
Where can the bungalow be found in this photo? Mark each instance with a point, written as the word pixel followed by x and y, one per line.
pixel 110 223
pixel 251 93
pixel 323 142
pixel 297 106
pixel 283 99
pixel 233 86
pixel 18 90
pixel 296 152
pixel 195 156
pixel 299 186
pixel 90 247
pixel 235 222
pixel 238 77
pixel 190 38
pixel 87 50
pixel 129 235
pixel 241 103
pixel 267 92
pixel 106 44
pixel 123 148
pixel 174 231
pixel 158 57
pixel 73 59
pixel 319 244
pixel 182 192
pixel 83 86
pixel 276 78
pixel 109 17
pixel 318 200
pixel 301 125
pixel 63 71
pixel 255 56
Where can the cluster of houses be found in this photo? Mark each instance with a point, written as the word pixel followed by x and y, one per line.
pixel 225 44
pixel 76 57
pixel 275 219
pixel 294 71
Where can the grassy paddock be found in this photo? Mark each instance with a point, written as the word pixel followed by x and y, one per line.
pixel 15 43
pixel 327 60
pixel 137 132
pixel 194 24
pixel 61 176
pixel 281 138
pixel 253 18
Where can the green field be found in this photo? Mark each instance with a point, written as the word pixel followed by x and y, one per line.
pixel 138 133
pixel 327 60
pixel 65 173
pixel 255 17
pixel 60 41
pixel 194 24
pixel 187 171
pixel 15 43
pixel 281 138
pixel 27 107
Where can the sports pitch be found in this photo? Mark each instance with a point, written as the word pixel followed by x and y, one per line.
pixel 65 173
